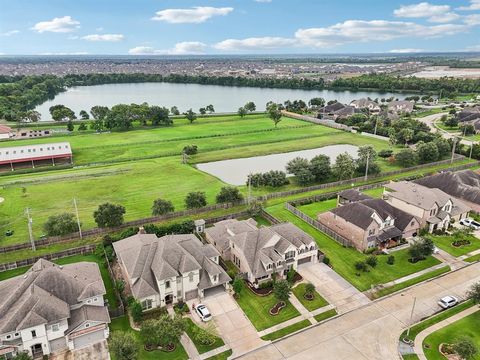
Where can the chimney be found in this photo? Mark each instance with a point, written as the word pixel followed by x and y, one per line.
pixel 141 230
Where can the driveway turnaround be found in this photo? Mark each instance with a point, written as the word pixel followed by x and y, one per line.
pixel 372 331
pixel 233 325
pixel 334 288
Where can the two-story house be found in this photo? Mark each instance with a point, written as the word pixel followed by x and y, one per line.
pixel 363 103
pixel 166 270
pixel 52 308
pixel 261 252
pixel 433 207
pixel 370 223
pixel 402 106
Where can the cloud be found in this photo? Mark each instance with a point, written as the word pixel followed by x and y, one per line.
pixel 473 48
pixel 57 25
pixel 195 15
pixel 472 20
pixel 433 13
pixel 64 53
pixel 444 18
pixel 255 43
pixel 263 1
pixel 406 51
pixel 474 5
pixel 181 48
pixel 10 33
pixel 104 37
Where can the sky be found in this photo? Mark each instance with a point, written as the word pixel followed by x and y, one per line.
pixel 184 27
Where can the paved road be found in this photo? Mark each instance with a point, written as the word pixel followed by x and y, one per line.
pixel 431 119
pixel 372 331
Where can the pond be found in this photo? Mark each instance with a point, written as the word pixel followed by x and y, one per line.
pixel 186 96
pixel 236 171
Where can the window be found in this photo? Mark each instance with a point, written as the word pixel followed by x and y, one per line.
pixel 87 325
pixel 279 263
pixel 215 277
pixel 89 301
pixel 412 223
pixel 269 266
pixel 371 232
pixel 290 255
pixel 190 277
pixel 8 337
pixel 147 304
pixel 167 284
pixel 17 334
pixel 55 327
pixel 34 334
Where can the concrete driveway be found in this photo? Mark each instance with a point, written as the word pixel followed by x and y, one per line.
pixel 233 325
pixel 372 331
pixel 98 351
pixel 335 289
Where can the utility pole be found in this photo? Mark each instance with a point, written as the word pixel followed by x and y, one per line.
pixel 249 189
pixel 78 218
pixel 366 167
pixel 453 148
pixel 411 316
pixel 30 232
pixel 471 149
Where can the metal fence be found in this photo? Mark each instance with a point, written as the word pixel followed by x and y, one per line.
pixel 317 225
pixel 83 250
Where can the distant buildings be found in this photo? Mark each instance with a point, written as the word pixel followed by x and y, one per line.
pixel 15 157
pixel 471 116
pixel 401 106
pixel 52 308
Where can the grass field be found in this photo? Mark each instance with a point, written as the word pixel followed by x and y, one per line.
pixel 343 259
pixel 191 327
pixel 473 258
pixel 286 330
pixel 325 315
pixel 317 302
pixel 444 242
pixel 466 327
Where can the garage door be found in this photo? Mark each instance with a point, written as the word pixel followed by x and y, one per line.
pixel 304 260
pixel 214 291
pixel 58 344
pixel 88 339
pixel 190 295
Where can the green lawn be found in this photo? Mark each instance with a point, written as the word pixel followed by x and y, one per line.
pixel 325 315
pixel 318 301
pixel 257 310
pixel 444 242
pixel 343 259
pixel 190 330
pixel 466 327
pixel 107 280
pixel 222 356
pixel 122 324
pixel 408 283
pixel 473 258
pixel 287 330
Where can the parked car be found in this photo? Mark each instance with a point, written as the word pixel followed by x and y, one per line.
pixel 203 312
pixel 470 223
pixel 448 302
pixel 436 250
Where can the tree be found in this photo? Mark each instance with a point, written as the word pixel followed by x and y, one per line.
pixel 202 111
pixel 450 121
pixel 467 129
pixel 22 355
pixel 109 215
pixel 316 102
pixel 174 110
pixel 30 116
pixel 190 149
pixel 162 207
pixel 136 311
pixel 406 158
pixel 427 152
pixel 97 125
pixel 237 285
pixel 361 266
pixel 84 115
pixel 195 200
pixel 466 348
pixel 61 224
pixel 120 117
pixel 242 112
pixel 405 135
pixel 62 113
pixel 250 106
pixel 150 333
pixel 443 147
pixel 229 194
pixel 170 329
pixel 274 113
pixel 366 152
pixel 210 108
pixel 474 293
pixel 282 290
pixel 344 167
pixel 123 345
pixel 320 167
pixel 82 127
pixel 99 112
pixel 372 261
pixel 190 115
pixel 309 289
pixel 305 177
pixel 296 165
pixel 421 249
pixel 70 126
pixel 159 115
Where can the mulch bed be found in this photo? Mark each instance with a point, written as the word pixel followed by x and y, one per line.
pixel 309 297
pixel 169 348
pixel 461 243
pixel 276 309
pixel 259 291
pixel 297 278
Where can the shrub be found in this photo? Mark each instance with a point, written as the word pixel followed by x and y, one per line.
pixel 136 311
pixel 266 284
pixel 195 200
pixel 372 261
pixel 361 266
pixel 391 260
pixel 190 149
pixel 309 288
pixel 385 153
pixel 238 285
pixel 162 207
pixel 281 290
pixel 229 194
pixel 326 260
pixel 61 224
pixel 466 348
pixel 123 345
pixel 109 215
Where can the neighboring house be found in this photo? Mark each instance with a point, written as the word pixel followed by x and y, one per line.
pixel 401 106
pixel 462 185
pixel 260 252
pixel 5 132
pixel 370 105
pixel 470 115
pixel 370 223
pixel 337 111
pixel 31 133
pixel 351 195
pixel 433 207
pixel 163 271
pixel 52 308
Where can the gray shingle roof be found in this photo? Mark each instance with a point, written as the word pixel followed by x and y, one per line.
pixel 353 195
pixel 355 213
pixel 87 313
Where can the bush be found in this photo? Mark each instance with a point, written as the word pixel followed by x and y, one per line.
pixel 309 288
pixel 162 207
pixel 195 200
pixel 372 261
pixel 123 345
pixel 361 266
pixel 109 215
pixel 466 348
pixel 326 260
pixel 229 194
pixel 266 284
pixel 61 224
pixel 272 178
pixel 190 149
pixel 385 153
pixel 136 311
pixel 391 260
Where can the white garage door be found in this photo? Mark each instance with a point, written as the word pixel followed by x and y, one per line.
pixel 58 344
pixel 88 339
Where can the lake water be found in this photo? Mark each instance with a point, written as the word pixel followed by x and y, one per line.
pixel 186 96
pixel 236 171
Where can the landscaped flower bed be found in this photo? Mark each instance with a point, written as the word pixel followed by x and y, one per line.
pixel 277 308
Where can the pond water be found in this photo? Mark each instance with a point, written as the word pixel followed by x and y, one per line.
pixel 186 96
pixel 236 171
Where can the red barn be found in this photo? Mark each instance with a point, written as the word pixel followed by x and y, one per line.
pixel 35 155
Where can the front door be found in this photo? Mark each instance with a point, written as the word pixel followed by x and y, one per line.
pixel 168 299
pixel 37 351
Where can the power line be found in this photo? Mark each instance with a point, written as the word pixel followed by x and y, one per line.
pixel 30 232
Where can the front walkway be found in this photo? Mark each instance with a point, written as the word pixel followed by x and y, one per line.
pixel 334 288
pixel 418 347
pixel 452 261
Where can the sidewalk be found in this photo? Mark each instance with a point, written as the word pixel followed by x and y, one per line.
pixel 472 253
pixel 418 347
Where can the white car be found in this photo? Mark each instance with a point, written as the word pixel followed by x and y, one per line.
pixel 203 312
pixel 470 223
pixel 448 301
pixel 436 250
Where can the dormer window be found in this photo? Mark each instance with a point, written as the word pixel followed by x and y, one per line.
pixel 167 284
pixel 215 278
pixel 190 277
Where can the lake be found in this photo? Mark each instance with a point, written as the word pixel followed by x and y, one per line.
pixel 186 96
pixel 236 171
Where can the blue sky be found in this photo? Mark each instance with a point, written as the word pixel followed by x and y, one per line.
pixel 142 27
